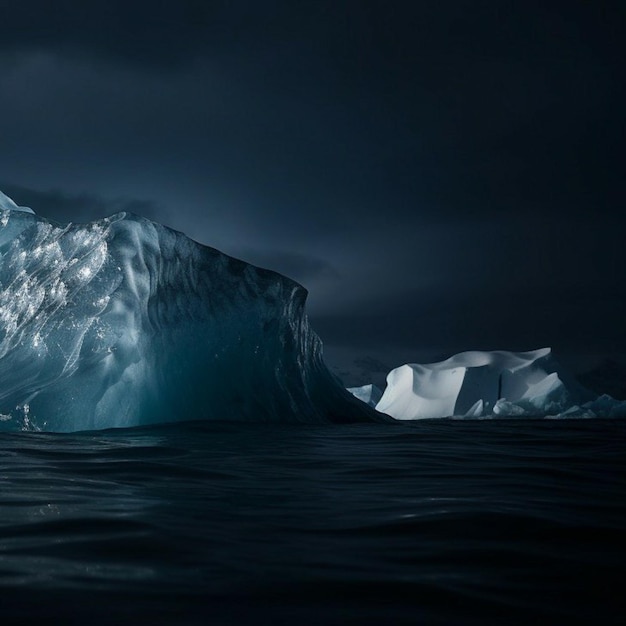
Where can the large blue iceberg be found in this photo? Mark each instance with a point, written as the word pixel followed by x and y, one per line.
pixel 124 322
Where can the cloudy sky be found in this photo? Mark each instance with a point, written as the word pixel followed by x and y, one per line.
pixel 441 176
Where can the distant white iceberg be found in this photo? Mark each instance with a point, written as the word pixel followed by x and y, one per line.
pixel 482 384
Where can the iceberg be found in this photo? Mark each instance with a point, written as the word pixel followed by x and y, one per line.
pixel 481 384
pixel 124 322
pixel 370 394
pixel 6 204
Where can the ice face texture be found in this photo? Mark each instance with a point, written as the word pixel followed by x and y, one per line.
pixel 503 384
pixel 370 394
pixel 124 322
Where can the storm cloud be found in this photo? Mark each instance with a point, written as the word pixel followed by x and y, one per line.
pixel 441 176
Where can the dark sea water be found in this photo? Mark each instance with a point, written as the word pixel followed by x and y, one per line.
pixel 435 522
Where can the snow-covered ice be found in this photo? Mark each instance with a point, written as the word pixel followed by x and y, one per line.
pixel 481 384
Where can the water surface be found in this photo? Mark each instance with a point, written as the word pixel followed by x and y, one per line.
pixel 435 522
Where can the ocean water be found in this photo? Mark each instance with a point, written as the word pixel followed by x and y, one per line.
pixel 435 522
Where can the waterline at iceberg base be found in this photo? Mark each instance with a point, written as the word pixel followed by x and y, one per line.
pixel 124 322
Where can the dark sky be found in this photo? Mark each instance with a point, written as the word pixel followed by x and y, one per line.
pixel 441 176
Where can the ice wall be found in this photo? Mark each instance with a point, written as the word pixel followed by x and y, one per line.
pixel 124 322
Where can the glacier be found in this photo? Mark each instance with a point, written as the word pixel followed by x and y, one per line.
pixel 480 384
pixel 124 322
